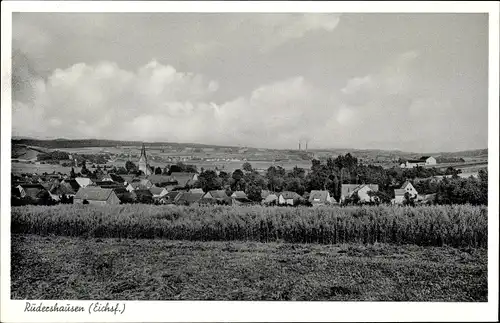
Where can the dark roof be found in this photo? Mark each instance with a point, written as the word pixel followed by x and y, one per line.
pixel 182 178
pixel 72 183
pixel 33 190
pixel 424 157
pixel 172 195
pixel 414 161
pixel 219 194
pixel 156 190
pixel 143 192
pixel 93 193
pixel 161 179
pixel 116 178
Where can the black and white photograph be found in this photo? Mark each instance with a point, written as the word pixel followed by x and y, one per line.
pixel 250 156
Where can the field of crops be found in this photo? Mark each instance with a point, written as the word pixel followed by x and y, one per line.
pixel 456 225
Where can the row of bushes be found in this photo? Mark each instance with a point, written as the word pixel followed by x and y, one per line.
pixel 455 225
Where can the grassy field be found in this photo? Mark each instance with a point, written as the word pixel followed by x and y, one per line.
pixel 76 268
pixel 455 225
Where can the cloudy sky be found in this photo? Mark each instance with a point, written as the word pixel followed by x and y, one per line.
pixel 415 82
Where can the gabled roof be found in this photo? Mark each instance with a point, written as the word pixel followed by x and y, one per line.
pixel 271 197
pixel 160 179
pixel 264 193
pixel 196 190
pixel 33 190
pixel 93 193
pixel 406 183
pixel 157 190
pixel 425 158
pixel 182 178
pixel 172 195
pixel 318 195
pixel 219 194
pixel 349 189
pixel 239 195
pixel 83 181
pixel 62 189
pixel 116 178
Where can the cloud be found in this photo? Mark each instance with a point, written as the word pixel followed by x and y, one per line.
pixel 281 28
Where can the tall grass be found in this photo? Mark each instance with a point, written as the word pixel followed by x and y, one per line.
pixel 455 225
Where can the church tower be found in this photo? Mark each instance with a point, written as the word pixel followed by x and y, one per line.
pixel 143 162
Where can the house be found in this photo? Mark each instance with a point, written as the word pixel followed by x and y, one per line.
pixel 141 184
pixel 348 190
pixel 399 194
pixel 186 198
pixel 96 196
pixel 429 160
pixel 216 197
pixel 270 199
pixel 239 195
pixel 33 191
pixel 321 198
pixel 158 192
pixel 422 161
pixel 116 178
pixel 264 194
pixel 184 178
pixel 161 180
pixel 83 181
pixel 144 196
pixel 288 198
pixel 196 190
pixel 170 197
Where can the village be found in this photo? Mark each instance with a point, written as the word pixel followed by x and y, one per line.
pixel 183 188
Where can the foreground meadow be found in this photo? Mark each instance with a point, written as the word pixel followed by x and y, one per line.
pixel 145 252
pixel 54 267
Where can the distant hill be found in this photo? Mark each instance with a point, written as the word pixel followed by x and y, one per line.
pixel 82 143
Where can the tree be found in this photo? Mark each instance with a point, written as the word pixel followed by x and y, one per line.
pixel 209 181
pixel 158 171
pixel 409 200
pixel 72 174
pixel 84 170
pixel 247 167
pixel 254 193
pixel 130 167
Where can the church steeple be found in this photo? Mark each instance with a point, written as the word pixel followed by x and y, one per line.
pixel 143 162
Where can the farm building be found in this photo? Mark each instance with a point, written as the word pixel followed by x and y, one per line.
pixel 34 191
pixel 161 180
pixel 196 190
pixel 422 161
pixel 141 184
pixel 399 194
pixel 348 190
pixel 288 198
pixel 183 178
pixel 170 197
pixel 158 192
pixel 239 195
pixel 187 198
pixel 96 195
pixel 321 198
pixel 270 199
pixel 216 197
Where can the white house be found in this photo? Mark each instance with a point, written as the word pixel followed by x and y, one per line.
pixel 399 194
pixel 347 191
pixel 422 161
